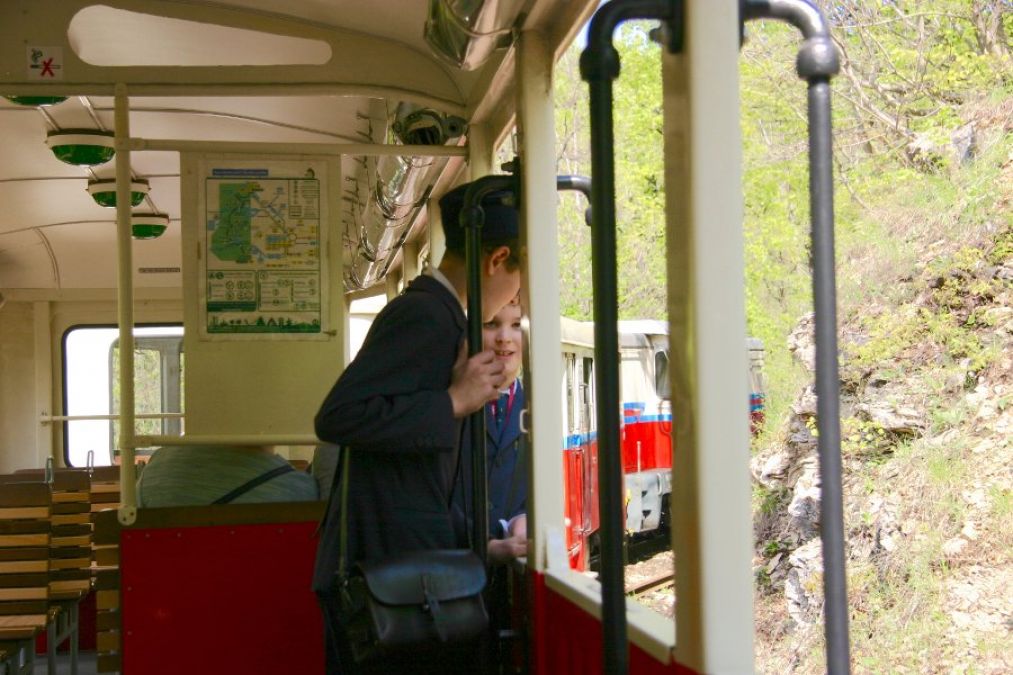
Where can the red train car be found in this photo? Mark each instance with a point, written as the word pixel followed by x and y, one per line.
pixel 646 432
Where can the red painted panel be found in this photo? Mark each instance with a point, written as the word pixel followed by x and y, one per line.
pixel 223 599
pixel 595 510
pixel 568 641
pixel 655 446
pixel 573 485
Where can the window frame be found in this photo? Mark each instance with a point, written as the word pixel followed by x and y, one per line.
pixel 65 372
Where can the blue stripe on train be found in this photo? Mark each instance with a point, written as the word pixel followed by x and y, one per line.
pixel 577 440
pixel 666 417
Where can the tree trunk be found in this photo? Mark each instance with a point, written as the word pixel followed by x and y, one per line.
pixel 987 17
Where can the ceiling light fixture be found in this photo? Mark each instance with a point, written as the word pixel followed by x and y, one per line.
pixel 148 225
pixel 104 192
pixel 82 147
pixel 36 100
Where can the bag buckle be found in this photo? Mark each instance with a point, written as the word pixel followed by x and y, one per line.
pixel 431 604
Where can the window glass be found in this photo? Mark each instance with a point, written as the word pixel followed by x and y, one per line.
pixel 91 388
pixel 661 380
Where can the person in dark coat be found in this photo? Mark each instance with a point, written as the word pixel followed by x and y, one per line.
pixel 397 410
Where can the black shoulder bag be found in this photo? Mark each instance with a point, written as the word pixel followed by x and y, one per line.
pixel 412 602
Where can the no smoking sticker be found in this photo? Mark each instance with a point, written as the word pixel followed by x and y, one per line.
pixel 45 63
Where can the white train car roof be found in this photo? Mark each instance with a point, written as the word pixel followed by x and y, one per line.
pixel 643 333
pixel 578 333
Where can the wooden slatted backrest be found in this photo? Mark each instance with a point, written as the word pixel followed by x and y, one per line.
pixel 107 590
pixel 25 540
pixel 70 547
pixel 105 488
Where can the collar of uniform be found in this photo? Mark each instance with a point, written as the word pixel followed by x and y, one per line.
pixel 441 277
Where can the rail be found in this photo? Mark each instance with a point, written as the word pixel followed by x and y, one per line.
pixel 817 62
pixel 599 67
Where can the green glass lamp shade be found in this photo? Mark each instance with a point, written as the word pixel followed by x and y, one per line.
pixel 36 100
pixel 148 225
pixel 104 192
pixel 82 147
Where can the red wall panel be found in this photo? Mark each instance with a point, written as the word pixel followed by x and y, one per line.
pixel 221 599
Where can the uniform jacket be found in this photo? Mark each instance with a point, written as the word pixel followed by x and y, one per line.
pixel 391 410
pixel 506 461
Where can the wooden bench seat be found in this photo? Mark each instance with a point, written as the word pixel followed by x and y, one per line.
pixel 25 537
pixel 63 544
pixel 24 559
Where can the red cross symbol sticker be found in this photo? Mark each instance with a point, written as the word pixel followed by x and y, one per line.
pixel 44 63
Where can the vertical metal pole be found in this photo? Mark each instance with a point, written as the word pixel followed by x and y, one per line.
pixel 817 62
pixel 479 478
pixel 472 218
pixel 599 66
pixel 821 199
pixel 125 300
pixel 606 341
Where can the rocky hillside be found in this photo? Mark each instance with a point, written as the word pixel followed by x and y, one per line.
pixel 927 427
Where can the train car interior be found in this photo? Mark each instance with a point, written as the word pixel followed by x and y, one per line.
pixel 203 203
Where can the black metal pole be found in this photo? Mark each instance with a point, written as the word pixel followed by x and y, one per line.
pixel 599 66
pixel 817 62
pixel 821 196
pixel 606 348
pixel 472 217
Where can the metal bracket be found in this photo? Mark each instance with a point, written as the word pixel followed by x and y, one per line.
pixel 127 515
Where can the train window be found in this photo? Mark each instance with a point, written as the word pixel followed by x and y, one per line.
pixel 158 385
pixel 360 317
pixel 570 415
pixel 91 385
pixel 587 402
pixel 661 382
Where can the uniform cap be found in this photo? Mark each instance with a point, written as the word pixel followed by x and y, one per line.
pixel 500 216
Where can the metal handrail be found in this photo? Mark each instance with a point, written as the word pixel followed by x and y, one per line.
pixel 599 66
pixel 816 63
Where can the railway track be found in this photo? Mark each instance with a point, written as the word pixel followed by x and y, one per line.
pixel 651 584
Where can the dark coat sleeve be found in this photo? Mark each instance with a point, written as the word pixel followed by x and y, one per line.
pixel 393 395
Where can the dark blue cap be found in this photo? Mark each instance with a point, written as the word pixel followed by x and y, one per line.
pixel 500 216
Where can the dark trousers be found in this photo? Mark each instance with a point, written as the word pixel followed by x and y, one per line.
pixel 339 659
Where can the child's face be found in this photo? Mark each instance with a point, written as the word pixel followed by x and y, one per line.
pixel 503 335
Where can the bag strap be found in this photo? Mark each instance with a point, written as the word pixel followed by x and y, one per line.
pixel 518 470
pixel 343 505
pixel 459 480
pixel 254 482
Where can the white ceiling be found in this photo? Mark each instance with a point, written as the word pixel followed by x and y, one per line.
pixel 52 235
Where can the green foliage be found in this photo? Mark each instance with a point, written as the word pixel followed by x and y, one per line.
pixel 639 180
pixel 864 437
pixel 1002 502
pixel 767 500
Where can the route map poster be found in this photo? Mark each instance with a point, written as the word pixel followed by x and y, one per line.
pixel 263 250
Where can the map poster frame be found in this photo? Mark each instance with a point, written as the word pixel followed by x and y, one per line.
pixel 262 249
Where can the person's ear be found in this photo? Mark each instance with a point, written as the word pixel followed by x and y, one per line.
pixel 497 258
